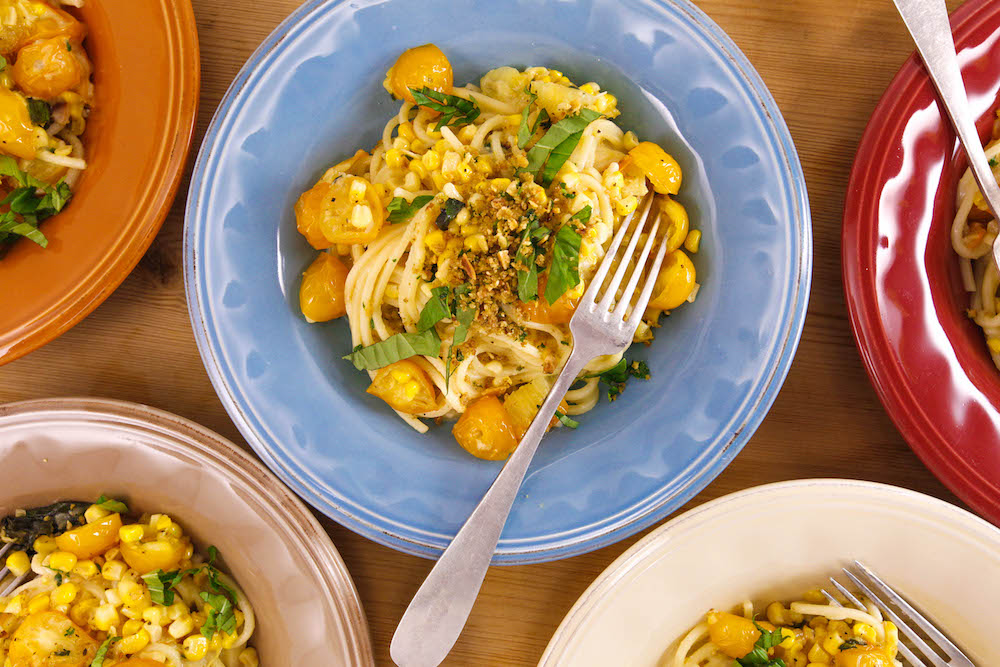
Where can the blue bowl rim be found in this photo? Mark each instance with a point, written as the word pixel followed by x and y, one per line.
pixel 776 127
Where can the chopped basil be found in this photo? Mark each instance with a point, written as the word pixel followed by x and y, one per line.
pixel 566 421
pixel 464 316
pixel 29 204
pixel 449 212
pixel 527 278
pixel 555 146
pixel 758 656
pixel 564 272
pixel 111 505
pixel 993 162
pixel 69 632
pixel 161 584
pixel 437 308
pixel 40 112
pixel 524 132
pixel 454 110
pixel 221 615
pixel 3 62
pixel 616 376
pixel 401 210
pixel 395 348
pixel 102 652
pixel 852 643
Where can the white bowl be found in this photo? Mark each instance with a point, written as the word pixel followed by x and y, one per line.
pixel 308 611
pixel 775 542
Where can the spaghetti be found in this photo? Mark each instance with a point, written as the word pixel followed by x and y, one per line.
pixel 806 633
pixel 459 247
pixel 105 593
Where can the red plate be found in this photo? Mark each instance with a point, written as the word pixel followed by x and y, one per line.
pixel 927 360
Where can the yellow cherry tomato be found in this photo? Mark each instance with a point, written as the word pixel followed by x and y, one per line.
pixel 658 166
pixel 347 210
pixel 420 67
pixel 863 656
pixel 674 283
pixel 522 405
pixel 163 553
pixel 674 220
pixel 49 22
pixel 733 635
pixel 17 132
pixel 485 430
pixel 406 387
pixel 49 67
pixel 51 639
pixel 321 295
pixel 92 539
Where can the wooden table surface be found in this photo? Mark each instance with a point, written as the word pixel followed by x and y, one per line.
pixel 826 63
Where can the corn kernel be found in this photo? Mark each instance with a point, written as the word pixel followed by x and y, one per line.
pixel 131 627
pixel 401 144
pixel 173 530
pixel 64 594
pixel 994 344
pixel 134 642
pixel 195 647
pixel 181 627
pixel 454 244
pixel 394 158
pixel 817 654
pixel 626 205
pixel 431 160
pixel 500 183
pixel 358 191
pixel 590 88
pixel 406 131
pixel 176 610
pixel 361 217
pixel 464 171
pixel 81 612
pixel 113 570
pixel 155 615
pixel 513 120
pixel 435 240
pixel 86 568
pixel 131 533
pixel 864 631
pixel 38 603
pixel 441 146
pixel 44 545
pixel 692 241
pixel 248 658
pixel 95 513
pixel 19 563
pixel 831 643
pixel 614 180
pixel 469 131
pixel 418 168
pixel 476 243
pixel 63 561
pixel 163 522
pixel 439 180
pixel 418 146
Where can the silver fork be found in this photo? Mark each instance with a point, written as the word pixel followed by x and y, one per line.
pixel 440 608
pixel 874 583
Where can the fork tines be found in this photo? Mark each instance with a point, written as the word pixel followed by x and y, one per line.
pixel 902 614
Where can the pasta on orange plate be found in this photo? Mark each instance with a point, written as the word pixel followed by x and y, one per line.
pixel 46 94
pixel 101 587
pixel 459 246
pixel 807 633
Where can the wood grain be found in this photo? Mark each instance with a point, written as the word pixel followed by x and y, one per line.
pixel 826 63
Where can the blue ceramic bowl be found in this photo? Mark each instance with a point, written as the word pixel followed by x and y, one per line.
pixel 312 94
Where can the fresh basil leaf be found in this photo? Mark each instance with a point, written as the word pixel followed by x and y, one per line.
pixel 221 616
pixel 616 376
pixel 527 278
pixel 437 308
pixel 564 272
pixel 25 229
pixel 583 215
pixel 454 110
pixel 852 643
pixel 401 210
pixel 102 652
pixel 524 133
pixel 464 315
pixel 449 212
pixel 161 585
pixel 8 167
pixel 395 348
pixel 566 421
pixel 3 62
pixel 559 142
pixel 213 554
pixel 40 112
pixel 768 638
pixel 112 505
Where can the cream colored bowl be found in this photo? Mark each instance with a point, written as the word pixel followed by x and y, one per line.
pixel 308 611
pixel 774 542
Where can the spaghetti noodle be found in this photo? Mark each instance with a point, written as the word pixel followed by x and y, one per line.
pixel 459 247
pixel 806 633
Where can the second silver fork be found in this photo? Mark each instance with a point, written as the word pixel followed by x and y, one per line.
pixel 438 612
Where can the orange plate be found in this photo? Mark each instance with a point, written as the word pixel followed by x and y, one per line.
pixel 146 72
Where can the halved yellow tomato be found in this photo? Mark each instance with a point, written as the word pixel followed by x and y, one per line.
pixel 406 387
pixel 733 635
pixel 541 311
pixel 659 167
pixel 51 639
pixel 420 67
pixel 347 210
pixel 321 295
pixel 674 283
pixel 92 539
pixel 485 430
pixel 163 553
pixel 674 222
pixel 863 656
pixel 48 67
pixel 522 405
pixel 17 132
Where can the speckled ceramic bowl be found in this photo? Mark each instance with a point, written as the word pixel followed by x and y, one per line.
pixel 308 609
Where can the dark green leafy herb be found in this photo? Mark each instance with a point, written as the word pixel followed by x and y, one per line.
pixel 527 278
pixel 401 210
pixel 161 585
pixel 524 132
pixel 993 162
pixel 439 307
pixel 552 150
pixel 22 529
pixel 112 505
pixel 758 656
pixel 221 614
pixel 463 317
pixel 102 652
pixel 852 643
pixel 3 62
pixel 566 421
pixel 69 632
pixel 616 376
pixel 564 272
pixel 40 112
pixel 454 110
pixel 395 348
pixel 449 211
pixel 566 193
pixel 31 203
pixel 63 652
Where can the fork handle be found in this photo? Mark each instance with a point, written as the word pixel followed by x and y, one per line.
pixel 438 612
pixel 927 21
